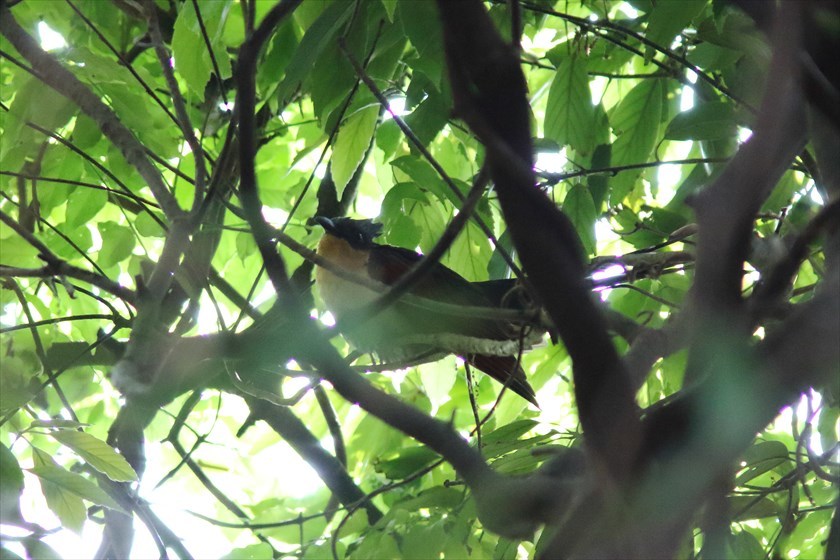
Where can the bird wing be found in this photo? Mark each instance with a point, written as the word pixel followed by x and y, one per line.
pixel 388 264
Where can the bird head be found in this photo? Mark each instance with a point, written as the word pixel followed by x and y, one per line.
pixel 358 233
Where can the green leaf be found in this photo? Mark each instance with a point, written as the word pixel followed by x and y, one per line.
pixel 505 549
pixel 421 23
pixel 86 132
pixel 508 432
pixel 470 254
pixel 83 204
pixel 80 235
pixel 35 103
pixel 580 208
pixel 11 487
pixel 36 548
pixel 97 454
pixel 636 122
pixel 15 251
pixel 423 541
pixel 782 193
pixel 403 232
pixel 278 54
pixel 429 117
pixel 745 508
pixel 760 458
pixel 55 423
pixel 434 497
pixel 569 114
pixel 76 484
pixel 351 144
pixel 409 461
pixel 147 226
pixel 422 173
pixel 744 545
pixel 668 19
pixel 390 8
pixel 117 243
pixel 707 121
pixel 6 554
pixel 438 378
pixel 497 449
pixel 317 37
pixel 259 551
pixel 192 59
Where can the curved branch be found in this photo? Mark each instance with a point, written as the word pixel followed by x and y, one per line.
pixel 490 94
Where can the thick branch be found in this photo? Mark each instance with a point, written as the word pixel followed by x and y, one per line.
pixel 332 472
pixel 490 94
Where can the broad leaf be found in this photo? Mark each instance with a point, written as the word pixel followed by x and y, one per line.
pixel 97 454
pixel 76 484
pixel 636 122
pixel 11 487
pixel 569 114
pixel 192 59
pixel 580 208
pixel 352 142
pixel 707 121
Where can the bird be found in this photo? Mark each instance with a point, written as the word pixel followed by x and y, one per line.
pixel 408 330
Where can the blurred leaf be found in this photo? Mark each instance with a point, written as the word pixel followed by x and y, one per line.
pixel 669 18
pixel 33 103
pixel 192 59
pixel 580 208
pixel 11 487
pixel 760 458
pixel 409 461
pixel 352 142
pixel 117 243
pixel 438 379
pixel 260 551
pixel 429 117
pixel 422 173
pixel 707 121
pixel 440 497
pixel 745 508
pixel 421 24
pixel 97 454
pixel 76 484
pixel 83 205
pixel 508 432
pixel 317 37
pixel 36 548
pixel 569 115
pixel 470 254
pixel 744 545
pixel 505 550
pixel 636 122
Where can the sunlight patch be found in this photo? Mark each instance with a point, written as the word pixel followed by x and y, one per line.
pixel 551 162
pixel 51 40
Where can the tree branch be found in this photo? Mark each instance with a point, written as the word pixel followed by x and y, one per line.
pixel 489 91
pixel 64 82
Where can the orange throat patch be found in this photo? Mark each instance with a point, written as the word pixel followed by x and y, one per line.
pixel 342 295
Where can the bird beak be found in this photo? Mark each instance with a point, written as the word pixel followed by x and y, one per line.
pixel 325 223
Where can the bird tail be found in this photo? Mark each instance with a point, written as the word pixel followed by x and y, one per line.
pixel 506 370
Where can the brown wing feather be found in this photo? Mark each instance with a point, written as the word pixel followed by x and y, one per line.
pixel 388 264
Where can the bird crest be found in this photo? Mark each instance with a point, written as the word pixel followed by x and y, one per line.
pixel 358 233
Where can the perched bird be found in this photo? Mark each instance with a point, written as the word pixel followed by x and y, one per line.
pixel 407 330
